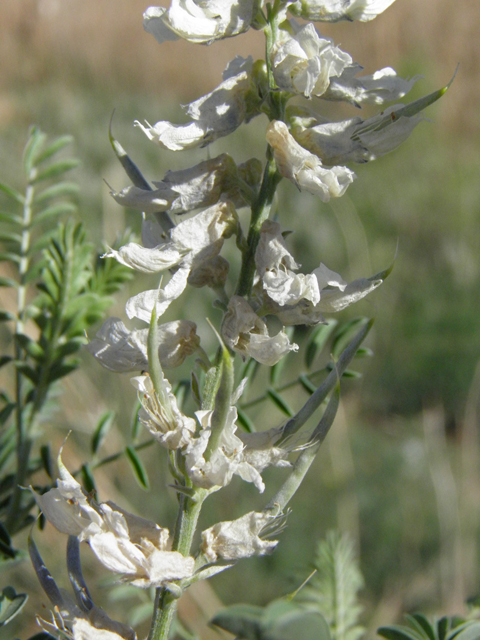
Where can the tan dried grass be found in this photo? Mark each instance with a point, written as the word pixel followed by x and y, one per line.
pixel 101 44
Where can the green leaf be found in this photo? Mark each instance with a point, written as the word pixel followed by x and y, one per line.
pixel 10 236
pixel 30 346
pixel 60 190
pixel 469 630
pixel 12 193
pixel 46 458
pixel 6 551
pixel 345 334
pixel 421 623
pixel 53 148
pixel 27 371
pixel 63 208
pixel 8 256
pixel 397 632
pixel 280 402
pixel 243 620
pixel 307 384
pixel 300 625
pixel 8 282
pixel 10 218
pixel 11 604
pixel 318 340
pixel 138 468
pixel 32 148
pixel 88 480
pixel 4 535
pixel 61 370
pixel 55 170
pixel 6 412
pixel 195 387
pixel 6 316
pixel 136 425
pixel 103 427
pixel 245 421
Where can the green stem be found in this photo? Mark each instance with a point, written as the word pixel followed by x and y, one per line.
pixel 165 601
pixel 23 442
pixel 260 212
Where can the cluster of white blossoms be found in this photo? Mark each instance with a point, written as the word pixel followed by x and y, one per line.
pixel 208 449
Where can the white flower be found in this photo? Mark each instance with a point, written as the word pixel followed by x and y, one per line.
pixel 181 191
pixel 161 415
pixel 68 621
pixel 237 539
pixel 122 542
pixel 305 62
pixel 357 140
pixel 379 88
pixel 297 298
pixel 305 169
pixel 334 10
pixel 335 295
pixel 121 350
pixel 214 115
pixel 191 242
pixel 275 267
pixel 225 462
pixel 200 21
pixel 261 450
pixel 247 334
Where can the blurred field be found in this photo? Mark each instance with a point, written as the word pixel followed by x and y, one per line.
pixel 401 469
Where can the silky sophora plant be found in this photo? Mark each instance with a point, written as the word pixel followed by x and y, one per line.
pixel 186 219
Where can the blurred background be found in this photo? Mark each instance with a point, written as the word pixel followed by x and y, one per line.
pixel 400 470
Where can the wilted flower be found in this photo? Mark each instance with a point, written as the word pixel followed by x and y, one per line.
pixel 212 273
pixel 121 350
pixel 247 334
pixel 161 415
pixel 69 621
pixel 124 543
pixel 296 298
pixel 378 88
pixel 334 10
pixel 190 243
pixel 239 538
pixel 182 191
pixel 356 140
pixel 305 62
pixel 305 169
pixel 200 22
pixel 214 115
pixel 225 461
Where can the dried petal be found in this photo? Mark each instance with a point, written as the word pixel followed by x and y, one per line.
pixel 237 539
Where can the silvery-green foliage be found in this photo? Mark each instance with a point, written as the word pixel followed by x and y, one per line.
pixel 420 628
pixel 333 589
pixel 58 291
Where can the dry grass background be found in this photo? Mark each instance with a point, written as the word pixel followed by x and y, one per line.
pixel 101 43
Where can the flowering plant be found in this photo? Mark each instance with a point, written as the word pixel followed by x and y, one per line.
pixel 187 218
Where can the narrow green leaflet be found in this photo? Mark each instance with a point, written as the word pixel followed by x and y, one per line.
pixel 138 468
pixel 279 402
pixel 103 427
pixel 317 340
pixel 11 604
